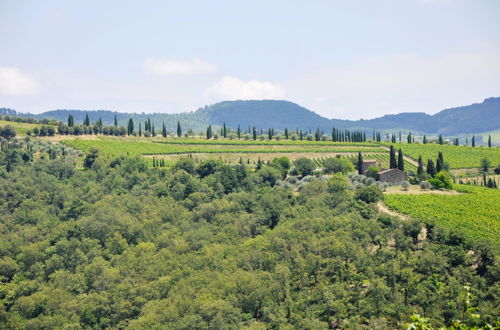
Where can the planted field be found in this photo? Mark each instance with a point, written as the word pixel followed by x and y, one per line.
pixel 21 128
pixel 476 212
pixel 116 148
pixel 456 156
pixel 239 142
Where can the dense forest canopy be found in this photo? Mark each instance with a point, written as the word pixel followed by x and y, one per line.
pixel 209 245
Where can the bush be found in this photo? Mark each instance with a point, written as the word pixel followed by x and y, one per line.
pixel 405 185
pixel 7 132
pixel 425 185
pixel 372 171
pixel 337 165
pixel 370 194
pixel 305 166
pixel 294 137
pixel 310 137
pixel 442 180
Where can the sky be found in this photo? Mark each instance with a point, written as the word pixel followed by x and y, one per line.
pixel 342 59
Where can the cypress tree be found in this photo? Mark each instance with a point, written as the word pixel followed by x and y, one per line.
pixel 238 132
pixel 392 161
pixel 473 140
pixel 286 133
pixel 420 169
pixel 254 133
pixel 153 131
pixel 399 136
pixel 301 136
pixel 130 128
pixel 409 138
pixel 140 130
pixel 270 134
pixel 209 132
pixel 100 122
pixel 116 122
pixel 360 163
pixel 431 170
pixel 179 129
pixel 317 135
pixel 70 121
pixel 401 162
pixel 224 130
pixel 440 162
pixel 440 140
pixel 489 141
pixel 87 120
pixel 425 139
pixel 164 130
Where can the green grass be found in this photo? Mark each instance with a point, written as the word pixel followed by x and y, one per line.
pixel 117 148
pixel 476 212
pixel 21 128
pixel 262 142
pixel 456 156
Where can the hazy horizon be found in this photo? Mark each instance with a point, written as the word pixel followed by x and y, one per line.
pixel 343 60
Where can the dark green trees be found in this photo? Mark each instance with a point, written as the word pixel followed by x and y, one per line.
pixel 179 129
pixel 71 121
pixel 209 132
pixel 86 122
pixel 473 140
pixel 238 132
pixel 401 162
pixel 254 133
pixel 425 140
pixel 439 162
pixel 115 122
pixel 408 138
pixel 90 158
pixel 130 126
pixel 431 169
pixel 164 130
pixel 440 139
pixel 7 132
pixel 286 133
pixel 224 130
pixel 359 166
pixel 392 161
pixel 489 140
pixel 420 168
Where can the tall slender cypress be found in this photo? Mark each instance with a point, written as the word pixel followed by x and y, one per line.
pixel 420 168
pixel 238 132
pixel 224 130
pixel 116 122
pixel 401 162
pixel 392 161
pixel 179 129
pixel 473 140
pixel 360 163
pixel 431 170
pixel 87 120
pixel 209 132
pixel 254 133
pixel 286 133
pixel 489 141
pixel 130 127
pixel 164 130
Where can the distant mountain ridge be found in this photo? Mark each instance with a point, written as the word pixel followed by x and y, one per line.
pixel 278 114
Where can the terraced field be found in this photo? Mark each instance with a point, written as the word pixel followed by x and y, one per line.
pixel 475 212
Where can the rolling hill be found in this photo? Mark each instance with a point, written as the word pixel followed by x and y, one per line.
pixel 278 114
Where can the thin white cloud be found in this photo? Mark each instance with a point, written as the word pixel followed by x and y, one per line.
pixel 13 82
pixel 231 88
pixel 177 67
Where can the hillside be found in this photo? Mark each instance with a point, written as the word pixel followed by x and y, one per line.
pixel 278 114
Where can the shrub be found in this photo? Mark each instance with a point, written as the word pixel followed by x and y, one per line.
pixel 310 137
pixel 425 185
pixel 442 180
pixel 294 137
pixel 337 165
pixel 305 166
pixel 372 171
pixel 370 194
pixel 405 185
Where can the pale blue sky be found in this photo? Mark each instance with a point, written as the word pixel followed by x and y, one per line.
pixel 342 59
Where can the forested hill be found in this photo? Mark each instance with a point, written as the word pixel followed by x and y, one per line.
pixel 474 118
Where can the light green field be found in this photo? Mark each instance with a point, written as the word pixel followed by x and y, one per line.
pixel 21 128
pixel 117 148
pixel 456 156
pixel 476 212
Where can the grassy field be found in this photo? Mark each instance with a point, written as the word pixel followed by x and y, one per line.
pixel 476 212
pixel 116 148
pixel 456 156
pixel 21 128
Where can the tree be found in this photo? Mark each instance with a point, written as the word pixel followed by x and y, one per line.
pixel 439 162
pixel 115 122
pixel 130 126
pixel 440 139
pixel 140 130
pixel 359 167
pixel 209 132
pixel 179 129
pixel 392 161
pixel 90 158
pixel 420 168
pixel 485 165
pixel 238 132
pixel 425 140
pixel 254 133
pixel 305 166
pixel 489 140
pixel 7 132
pixel 473 140
pixel 317 135
pixel 441 180
pixel 286 133
pixel 401 162
pixel 301 136
pixel 337 165
pixel 370 194
pixel 408 138
pixel 224 130
pixel 71 121
pixel 270 134
pixel 431 169
pixel 164 130
pixel 86 122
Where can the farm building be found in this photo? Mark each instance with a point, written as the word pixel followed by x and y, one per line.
pixel 392 175
pixel 366 165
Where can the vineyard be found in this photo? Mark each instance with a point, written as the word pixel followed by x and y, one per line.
pixel 475 212
pixel 381 158
pixel 456 156
pixel 117 148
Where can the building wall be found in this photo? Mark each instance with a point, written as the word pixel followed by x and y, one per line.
pixel 394 176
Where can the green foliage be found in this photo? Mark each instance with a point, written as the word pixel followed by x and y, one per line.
pixel 305 166
pixel 7 132
pixel 370 194
pixel 337 165
pixel 442 180
pixel 473 212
